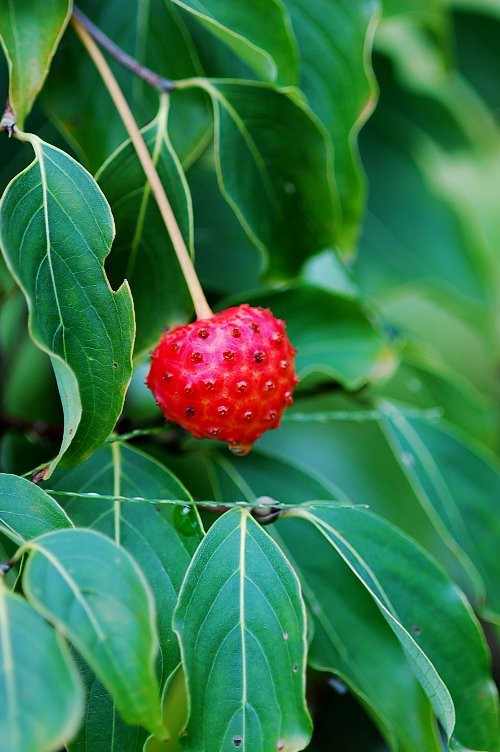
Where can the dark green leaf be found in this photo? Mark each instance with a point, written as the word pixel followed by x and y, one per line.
pixel 55 231
pixel 429 615
pixel 336 77
pixel 268 47
pixel 240 621
pixel 41 695
pixel 280 185
pixel 458 486
pixel 26 511
pixel 143 252
pixel 351 639
pixel 98 597
pixel 155 34
pixel 30 32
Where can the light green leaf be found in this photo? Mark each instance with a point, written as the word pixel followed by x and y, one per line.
pixel 280 185
pixel 429 615
pixel 161 538
pixel 335 46
pixel 26 511
pixel 143 252
pixel 97 596
pixel 41 694
pixel 458 486
pixel 55 231
pixel 352 640
pixel 155 34
pixel 334 337
pixel 259 32
pixel 240 621
pixel 29 33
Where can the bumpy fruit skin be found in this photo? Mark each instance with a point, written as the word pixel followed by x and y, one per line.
pixel 228 378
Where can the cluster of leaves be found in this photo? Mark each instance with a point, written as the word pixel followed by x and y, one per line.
pixel 384 472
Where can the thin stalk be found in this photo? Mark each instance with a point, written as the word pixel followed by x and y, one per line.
pixel 201 306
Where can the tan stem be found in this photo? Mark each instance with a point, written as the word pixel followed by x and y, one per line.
pixel 203 310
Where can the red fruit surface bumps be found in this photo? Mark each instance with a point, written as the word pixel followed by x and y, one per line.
pixel 229 377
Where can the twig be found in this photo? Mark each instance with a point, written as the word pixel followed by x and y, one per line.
pixel 160 83
pixel 201 306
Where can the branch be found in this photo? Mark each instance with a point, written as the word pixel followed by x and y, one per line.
pixel 153 79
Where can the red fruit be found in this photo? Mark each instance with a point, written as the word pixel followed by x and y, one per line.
pixel 229 377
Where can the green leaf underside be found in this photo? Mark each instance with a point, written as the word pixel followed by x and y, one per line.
pixel 143 252
pixel 428 614
pixel 285 203
pixel 241 626
pixel 456 486
pixel 337 80
pixel 55 231
pixel 268 46
pixel 30 32
pixel 350 637
pixel 75 97
pixel 41 695
pixel 93 591
pixel 161 538
pixel 26 511
pixel 333 335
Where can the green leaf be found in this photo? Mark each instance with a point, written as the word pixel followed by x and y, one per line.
pixel 155 34
pixel 161 538
pixel 97 596
pixel 429 615
pixel 336 77
pixel 352 640
pixel 280 186
pixel 41 694
pixel 30 32
pixel 457 484
pixel 268 46
pixel 26 511
pixel 55 231
pixel 334 337
pixel 240 621
pixel 143 252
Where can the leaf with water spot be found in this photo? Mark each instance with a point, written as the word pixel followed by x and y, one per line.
pixel 29 33
pixel 41 694
pixel 56 229
pixel 96 595
pixel 143 253
pixel 240 621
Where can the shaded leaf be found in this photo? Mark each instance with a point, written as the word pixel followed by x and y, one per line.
pixel 26 511
pixel 143 252
pixel 240 621
pixel 55 231
pixel 29 33
pixel 36 715
pixel 98 597
pixel 336 77
pixel 285 203
pixel 269 48
pixel 429 615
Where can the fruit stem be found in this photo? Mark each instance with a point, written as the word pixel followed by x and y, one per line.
pixel 203 310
